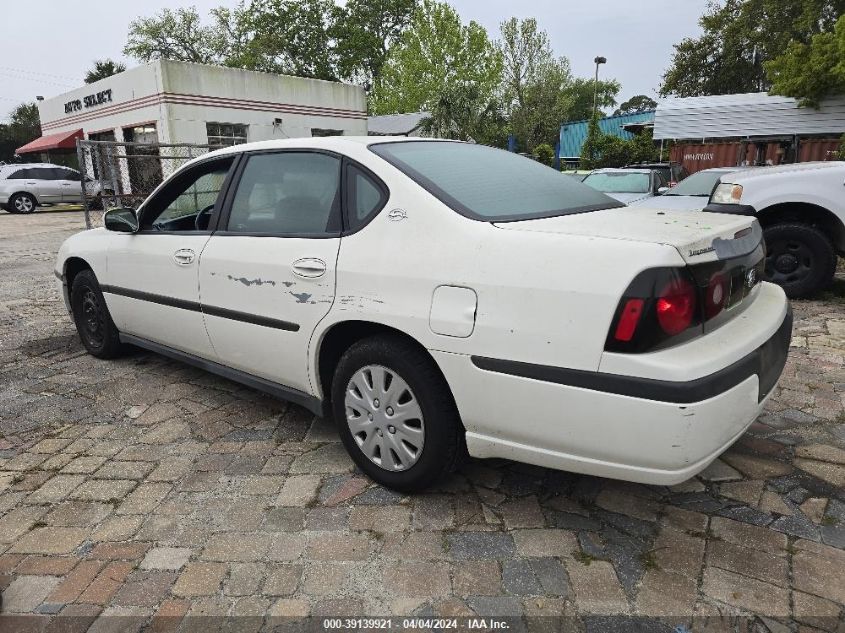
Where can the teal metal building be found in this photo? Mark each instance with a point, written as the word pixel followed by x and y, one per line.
pixel 574 133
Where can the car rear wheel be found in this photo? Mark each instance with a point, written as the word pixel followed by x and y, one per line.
pixel 91 317
pixel 22 203
pixel 799 258
pixel 395 413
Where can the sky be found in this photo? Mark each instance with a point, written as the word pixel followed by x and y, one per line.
pixel 47 45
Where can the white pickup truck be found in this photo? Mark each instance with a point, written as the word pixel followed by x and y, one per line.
pixel 801 208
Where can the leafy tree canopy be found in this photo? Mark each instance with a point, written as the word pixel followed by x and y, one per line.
pixel 308 38
pixel 103 68
pixel 179 35
pixel 636 105
pixel 24 126
pixel 810 72
pixel 433 57
pixel 738 38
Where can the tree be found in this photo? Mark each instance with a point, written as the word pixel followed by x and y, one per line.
pixel 545 153
pixel 535 83
pixel 461 113
pixel 580 96
pixel 365 33
pixel 179 35
pixel 103 68
pixel 435 55
pixel 811 72
pixel 293 37
pixel 24 126
pixel 591 149
pixel 636 105
pixel 738 38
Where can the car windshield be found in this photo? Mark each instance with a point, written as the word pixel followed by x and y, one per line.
pixel 490 184
pixel 699 184
pixel 618 181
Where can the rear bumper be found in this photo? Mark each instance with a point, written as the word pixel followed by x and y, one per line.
pixel 622 427
pixel 735 209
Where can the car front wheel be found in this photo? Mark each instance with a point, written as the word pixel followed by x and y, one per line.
pixel 799 258
pixel 395 413
pixel 22 203
pixel 91 317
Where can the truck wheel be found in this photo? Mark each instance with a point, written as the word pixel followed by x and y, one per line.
pixel 91 317
pixel 395 413
pixel 22 203
pixel 799 258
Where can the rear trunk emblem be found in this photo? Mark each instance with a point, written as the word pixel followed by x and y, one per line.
pixel 750 277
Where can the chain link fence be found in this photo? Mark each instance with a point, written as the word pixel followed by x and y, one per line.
pixel 123 174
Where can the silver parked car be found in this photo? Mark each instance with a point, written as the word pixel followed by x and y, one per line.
pixel 24 186
pixel 691 194
pixel 627 185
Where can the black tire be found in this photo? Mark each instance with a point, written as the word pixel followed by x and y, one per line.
pixel 23 203
pixel 443 433
pixel 92 319
pixel 799 258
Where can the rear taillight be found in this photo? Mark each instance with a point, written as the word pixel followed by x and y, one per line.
pixel 629 319
pixel 666 306
pixel 676 306
pixel 659 304
pixel 716 294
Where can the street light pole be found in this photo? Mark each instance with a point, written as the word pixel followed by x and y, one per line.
pixel 598 60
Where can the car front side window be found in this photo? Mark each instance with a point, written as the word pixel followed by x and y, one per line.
pixel 187 203
pixel 287 193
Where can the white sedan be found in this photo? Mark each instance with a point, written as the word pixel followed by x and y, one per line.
pixel 437 298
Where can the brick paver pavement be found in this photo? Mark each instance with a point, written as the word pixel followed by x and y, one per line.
pixel 142 487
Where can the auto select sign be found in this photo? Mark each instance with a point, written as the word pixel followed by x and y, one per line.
pixel 99 98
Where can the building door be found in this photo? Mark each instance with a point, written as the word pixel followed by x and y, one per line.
pixel 145 173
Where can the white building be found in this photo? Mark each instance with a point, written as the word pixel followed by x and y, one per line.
pixel 176 102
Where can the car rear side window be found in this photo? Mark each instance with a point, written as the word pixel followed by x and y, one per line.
pixel 21 174
pixel 490 184
pixel 364 197
pixel 287 193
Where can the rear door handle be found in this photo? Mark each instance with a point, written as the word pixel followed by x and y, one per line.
pixel 184 256
pixel 309 267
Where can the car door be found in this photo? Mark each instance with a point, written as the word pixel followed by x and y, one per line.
pixel 45 184
pixel 152 287
pixel 267 276
pixel 70 181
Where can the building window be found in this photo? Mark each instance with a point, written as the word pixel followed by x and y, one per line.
pixel 317 131
pixel 225 134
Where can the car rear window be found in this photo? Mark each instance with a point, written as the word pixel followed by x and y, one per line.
pixel 618 182
pixel 490 184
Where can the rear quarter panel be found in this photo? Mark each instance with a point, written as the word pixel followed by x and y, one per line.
pixel 542 298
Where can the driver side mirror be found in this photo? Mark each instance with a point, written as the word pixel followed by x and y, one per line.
pixel 122 220
pixel 662 190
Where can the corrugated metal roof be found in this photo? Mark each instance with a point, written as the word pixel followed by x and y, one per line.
pixel 742 115
pixel 574 133
pixel 395 124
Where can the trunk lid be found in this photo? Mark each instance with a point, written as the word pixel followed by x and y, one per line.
pixel 698 236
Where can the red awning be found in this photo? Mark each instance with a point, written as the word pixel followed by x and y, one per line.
pixel 62 140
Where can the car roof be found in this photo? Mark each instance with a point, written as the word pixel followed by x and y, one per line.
pixel 636 170
pixel 336 143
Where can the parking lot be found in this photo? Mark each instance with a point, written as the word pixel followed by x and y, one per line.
pixel 145 488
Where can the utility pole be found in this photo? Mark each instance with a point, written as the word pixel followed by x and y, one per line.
pixel 598 60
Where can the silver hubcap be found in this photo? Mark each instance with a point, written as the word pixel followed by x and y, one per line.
pixel 22 203
pixel 384 418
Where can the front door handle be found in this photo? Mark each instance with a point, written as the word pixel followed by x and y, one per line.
pixel 309 267
pixel 184 256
